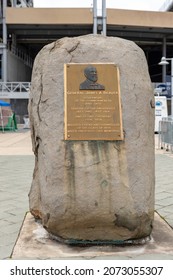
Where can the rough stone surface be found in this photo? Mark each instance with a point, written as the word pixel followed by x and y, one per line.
pixel 92 190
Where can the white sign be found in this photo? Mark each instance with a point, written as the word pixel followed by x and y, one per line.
pixel 161 110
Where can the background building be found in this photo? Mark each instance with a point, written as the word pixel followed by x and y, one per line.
pixel 24 30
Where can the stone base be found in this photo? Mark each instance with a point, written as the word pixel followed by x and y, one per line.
pixel 34 243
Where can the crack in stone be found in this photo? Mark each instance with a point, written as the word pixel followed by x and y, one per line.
pixel 39 101
pixel 72 50
pixel 55 44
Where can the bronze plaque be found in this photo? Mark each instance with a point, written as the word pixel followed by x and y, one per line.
pixel 92 102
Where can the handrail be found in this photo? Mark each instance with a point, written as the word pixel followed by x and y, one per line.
pixel 22 55
pixel 15 86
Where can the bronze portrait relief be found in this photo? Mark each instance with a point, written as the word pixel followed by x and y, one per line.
pixel 90 83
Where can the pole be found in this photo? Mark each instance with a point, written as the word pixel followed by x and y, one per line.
pixel 164 66
pixel 171 86
pixel 4 57
pixel 1 117
pixel 94 16
pixel 14 3
pixel 104 16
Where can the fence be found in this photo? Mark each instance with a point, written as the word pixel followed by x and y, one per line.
pixel 14 90
pixel 166 134
pixel 22 55
pixel 7 119
pixel 15 86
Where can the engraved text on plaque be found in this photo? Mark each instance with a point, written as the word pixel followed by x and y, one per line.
pixel 92 102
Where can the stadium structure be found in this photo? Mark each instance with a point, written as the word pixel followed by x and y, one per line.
pixel 24 30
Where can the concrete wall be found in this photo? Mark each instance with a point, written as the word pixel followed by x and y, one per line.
pixel 85 16
pixel 49 16
pixel 17 71
pixel 139 18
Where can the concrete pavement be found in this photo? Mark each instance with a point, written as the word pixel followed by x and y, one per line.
pixel 16 167
pixel 17 162
pixel 164 183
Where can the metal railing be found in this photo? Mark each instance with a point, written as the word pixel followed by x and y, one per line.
pixel 22 55
pixel 166 134
pixel 15 86
pixel 14 90
pixel 20 3
pixel 166 5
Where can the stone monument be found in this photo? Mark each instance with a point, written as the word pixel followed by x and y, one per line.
pixel 93 140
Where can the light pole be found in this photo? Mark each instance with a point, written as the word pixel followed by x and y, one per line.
pixel 165 62
pixel 99 20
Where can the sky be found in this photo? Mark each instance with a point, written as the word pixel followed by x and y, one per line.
pixel 152 5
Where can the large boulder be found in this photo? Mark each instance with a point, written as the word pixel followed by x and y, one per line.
pixel 92 190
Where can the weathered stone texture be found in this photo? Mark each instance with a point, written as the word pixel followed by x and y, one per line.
pixel 93 190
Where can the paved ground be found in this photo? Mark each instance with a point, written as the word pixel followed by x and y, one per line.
pixel 16 167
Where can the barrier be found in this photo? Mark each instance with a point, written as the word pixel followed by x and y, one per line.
pixel 14 90
pixel 166 134
pixel 7 120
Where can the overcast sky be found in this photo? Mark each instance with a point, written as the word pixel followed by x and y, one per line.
pixel 152 5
